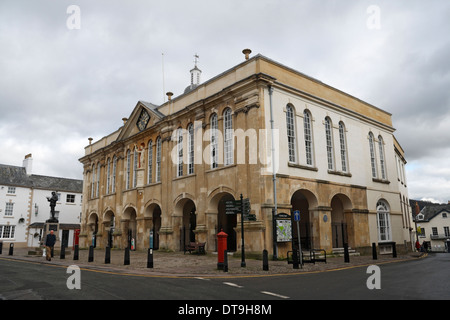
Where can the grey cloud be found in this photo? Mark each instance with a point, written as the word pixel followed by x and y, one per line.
pixel 67 85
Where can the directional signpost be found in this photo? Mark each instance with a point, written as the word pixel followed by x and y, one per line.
pixel 297 219
pixel 230 207
pixel 242 206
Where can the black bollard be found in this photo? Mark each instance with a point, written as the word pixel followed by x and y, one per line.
pixel 75 253
pixel 265 260
pixel 11 249
pixel 225 261
pixel 295 262
pixel 91 254
pixel 1 247
pixel 150 258
pixel 346 254
pixel 126 259
pixel 394 250
pixel 374 251
pixel 107 255
pixel 62 254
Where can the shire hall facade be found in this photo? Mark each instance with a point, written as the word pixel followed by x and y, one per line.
pixel 171 168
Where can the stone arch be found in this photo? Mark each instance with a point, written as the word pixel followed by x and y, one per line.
pixel 305 201
pixel 213 199
pixel 219 220
pixel 129 228
pixel 152 217
pixel 341 206
pixel 108 226
pixel 92 224
pixel 185 219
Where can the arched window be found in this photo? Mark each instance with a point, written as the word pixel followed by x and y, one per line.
pixel 93 182
pixel 228 135
pixel 180 152
pixel 158 159
pixel 383 221
pixel 135 166
pixel 382 162
pixel 329 138
pixel 214 143
pixel 308 137
pixel 97 187
pixel 373 162
pixel 108 175
pixel 343 145
pixel 290 125
pixel 150 162
pixel 113 181
pixel 190 130
pixel 128 169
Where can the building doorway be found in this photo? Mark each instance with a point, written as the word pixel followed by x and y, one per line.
pixel 189 223
pixel 299 201
pixel 227 222
pixel 156 226
pixel 130 219
pixel 339 230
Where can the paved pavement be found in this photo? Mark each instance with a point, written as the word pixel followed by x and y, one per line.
pixel 178 264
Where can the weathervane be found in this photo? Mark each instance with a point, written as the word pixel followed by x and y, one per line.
pixel 196 57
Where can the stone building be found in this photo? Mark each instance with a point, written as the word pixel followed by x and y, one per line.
pixel 171 168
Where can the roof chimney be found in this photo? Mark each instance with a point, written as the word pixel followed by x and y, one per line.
pixel 169 95
pixel 247 53
pixel 28 163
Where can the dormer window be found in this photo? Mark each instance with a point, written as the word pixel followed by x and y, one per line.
pixel 420 216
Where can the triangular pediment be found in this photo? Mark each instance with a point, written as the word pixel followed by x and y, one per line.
pixel 144 116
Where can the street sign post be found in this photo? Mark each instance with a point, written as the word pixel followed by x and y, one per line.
pixel 230 207
pixel 242 206
pixel 297 219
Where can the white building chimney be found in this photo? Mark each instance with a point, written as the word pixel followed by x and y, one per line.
pixel 28 163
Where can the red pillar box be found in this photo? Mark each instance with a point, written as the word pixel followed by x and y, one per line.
pixel 221 247
pixel 76 237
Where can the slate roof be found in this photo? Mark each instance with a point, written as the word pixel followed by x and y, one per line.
pixel 17 177
pixel 14 176
pixel 428 209
pixel 429 212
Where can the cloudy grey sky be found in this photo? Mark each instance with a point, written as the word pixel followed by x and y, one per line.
pixel 60 85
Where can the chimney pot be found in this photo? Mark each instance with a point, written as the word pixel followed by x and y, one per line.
pixel 169 95
pixel 247 53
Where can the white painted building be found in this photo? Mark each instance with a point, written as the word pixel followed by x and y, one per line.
pixel 433 227
pixel 24 207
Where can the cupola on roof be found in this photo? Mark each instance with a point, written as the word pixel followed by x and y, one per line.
pixel 195 75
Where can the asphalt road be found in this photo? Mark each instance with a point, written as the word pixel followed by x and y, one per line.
pixel 426 278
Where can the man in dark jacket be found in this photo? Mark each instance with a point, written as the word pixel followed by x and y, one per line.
pixel 49 244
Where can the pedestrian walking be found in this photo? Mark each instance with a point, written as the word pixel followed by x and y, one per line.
pixel 49 244
pixel 418 246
